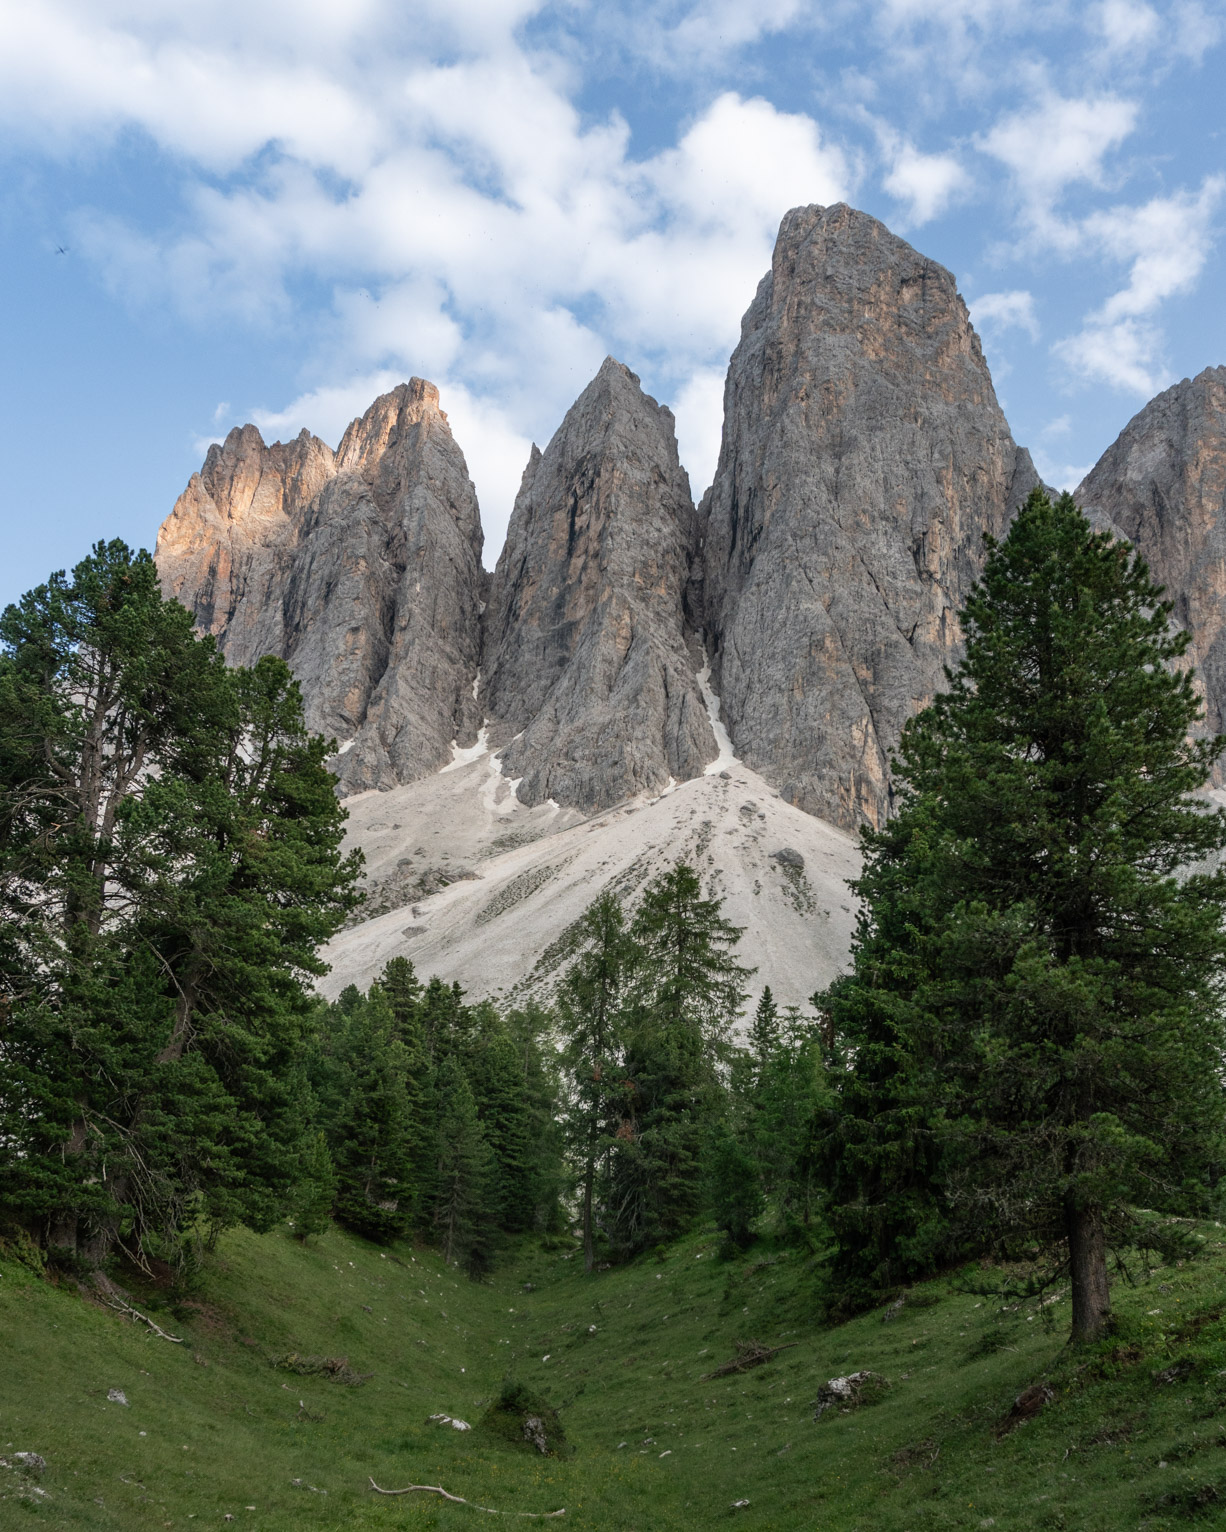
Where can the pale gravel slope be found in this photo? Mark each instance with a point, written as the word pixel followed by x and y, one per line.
pixel 494 932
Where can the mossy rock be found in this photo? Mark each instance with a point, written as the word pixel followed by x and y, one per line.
pixel 523 1419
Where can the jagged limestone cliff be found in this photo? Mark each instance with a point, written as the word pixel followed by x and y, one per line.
pixel 362 569
pixel 1162 485
pixel 590 656
pixel 864 456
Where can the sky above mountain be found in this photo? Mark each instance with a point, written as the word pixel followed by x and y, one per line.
pixel 272 210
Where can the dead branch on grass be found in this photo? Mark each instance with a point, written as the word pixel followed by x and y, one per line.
pixel 750 1353
pixel 437 1489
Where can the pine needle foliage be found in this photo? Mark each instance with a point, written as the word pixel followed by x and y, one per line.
pixel 1030 1043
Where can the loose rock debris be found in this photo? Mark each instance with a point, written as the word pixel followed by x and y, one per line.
pixel 850 1392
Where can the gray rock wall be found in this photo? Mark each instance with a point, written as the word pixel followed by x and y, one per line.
pixel 1162 485
pixel 864 456
pixel 362 569
pixel 590 658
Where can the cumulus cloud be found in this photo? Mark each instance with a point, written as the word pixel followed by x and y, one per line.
pixel 1054 144
pixel 1166 243
pixel 1003 311
pixel 699 412
pixel 1125 26
pixel 926 184
pixel 473 212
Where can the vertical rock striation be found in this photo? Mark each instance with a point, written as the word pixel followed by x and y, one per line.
pixel 590 659
pixel 1162 485
pixel 864 456
pixel 362 569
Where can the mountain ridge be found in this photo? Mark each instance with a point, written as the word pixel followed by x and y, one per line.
pixel 629 641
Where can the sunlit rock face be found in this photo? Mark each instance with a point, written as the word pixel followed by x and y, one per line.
pixel 591 659
pixel 864 457
pixel 361 568
pixel 1162 485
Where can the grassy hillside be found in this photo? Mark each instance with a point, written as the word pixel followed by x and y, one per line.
pixel 1134 1438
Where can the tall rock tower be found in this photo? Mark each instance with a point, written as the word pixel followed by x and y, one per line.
pixel 361 569
pixel 590 654
pixel 1162 485
pixel 864 457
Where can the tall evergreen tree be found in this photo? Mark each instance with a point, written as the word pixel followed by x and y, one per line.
pixel 589 1006
pixel 687 990
pixel 405 998
pixel 1032 1032
pixel 370 1134
pixel 169 862
pixel 465 1191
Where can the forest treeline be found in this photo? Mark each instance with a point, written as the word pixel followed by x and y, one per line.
pixel 1024 1063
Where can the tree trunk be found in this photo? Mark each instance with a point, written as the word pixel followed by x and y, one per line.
pixel 589 1244
pixel 1087 1250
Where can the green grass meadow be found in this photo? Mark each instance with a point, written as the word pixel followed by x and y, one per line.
pixel 1135 1436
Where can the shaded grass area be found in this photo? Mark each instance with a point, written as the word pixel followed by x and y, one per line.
pixel 1134 1435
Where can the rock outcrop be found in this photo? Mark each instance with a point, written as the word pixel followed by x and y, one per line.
pixel 590 660
pixel 362 569
pixel 864 457
pixel 1162 485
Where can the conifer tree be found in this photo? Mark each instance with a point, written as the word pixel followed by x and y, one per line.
pixel 169 862
pixel 317 1188
pixel 687 989
pixel 589 1006
pixel 1032 1032
pixel 370 1134
pixel 405 997
pixel 464 1175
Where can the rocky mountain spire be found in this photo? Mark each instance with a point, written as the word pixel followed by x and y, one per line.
pixel 590 658
pixel 362 569
pixel 224 549
pixel 1162 485
pixel 864 456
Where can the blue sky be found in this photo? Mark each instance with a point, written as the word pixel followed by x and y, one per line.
pixel 271 210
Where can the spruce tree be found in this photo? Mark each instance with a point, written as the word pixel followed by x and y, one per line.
pixel 589 1006
pixel 464 1177
pixel 404 995
pixel 369 1138
pixel 1031 1037
pixel 687 990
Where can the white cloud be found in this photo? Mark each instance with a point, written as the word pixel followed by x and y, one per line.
pixel 1125 25
pixel 714 28
pixel 442 174
pixel 1127 355
pixel 926 183
pixel 1167 242
pixel 1056 143
pixel 699 409
pixel 1003 311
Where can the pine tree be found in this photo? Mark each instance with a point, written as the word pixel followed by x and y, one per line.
pixel 464 1175
pixel 1032 1031
pixel 169 862
pixel 687 990
pixel 589 1006
pixel 317 1189
pixel 405 998
pixel 369 1138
